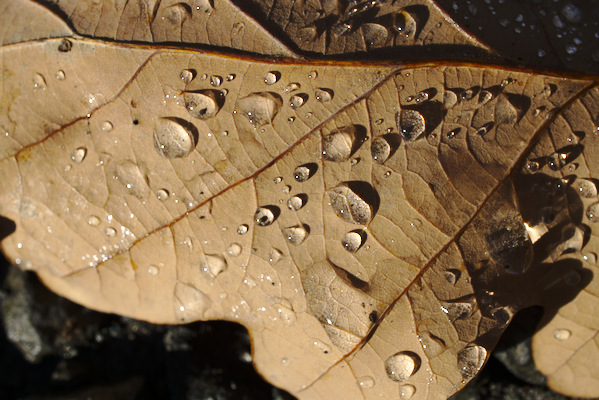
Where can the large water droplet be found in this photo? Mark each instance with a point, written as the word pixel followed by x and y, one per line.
pixel 471 359
pixel 505 112
pixel 174 138
pixel 351 206
pixel 323 95
pixel 593 212
pixel 297 100
pixel 264 216
pixel 215 264
pixel 404 24
pixel 296 202
pixel 375 35
pixel 79 154
pixel 338 145
pixel 292 87
pixel 410 123
pixel 295 234
pixel 203 104
pixel 260 108
pixel 509 244
pixel 380 150
pixel 352 241
pixel 274 256
pixel 450 99
pixel 401 366
pixel 270 78
pixel 585 187
pixel 406 392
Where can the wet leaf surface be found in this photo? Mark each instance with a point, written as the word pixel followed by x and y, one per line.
pixel 374 225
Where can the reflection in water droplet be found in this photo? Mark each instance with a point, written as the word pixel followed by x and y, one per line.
pixel 586 188
pixel 79 154
pixel 202 104
pixel 562 334
pixel 162 194
pixel 172 139
pixel 274 256
pixel 323 95
pixel 260 108
pixel 93 220
pixel 471 359
pixel 404 24
pixel 39 82
pixel 292 87
pixel 216 80
pixel 410 123
pixel 349 206
pixel 338 145
pixel 264 216
pixel 297 100
pixel 234 249
pixel 187 75
pixel 153 269
pixel 295 234
pixel 295 203
pixel 352 241
pixel 365 382
pixel 215 264
pixel 593 212
pixel 556 161
pixel 242 229
pixel 401 366
pixel 302 173
pixel 110 232
pixel 270 78
pixel 380 150
pixel 406 392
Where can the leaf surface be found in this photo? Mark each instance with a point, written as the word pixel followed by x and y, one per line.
pixel 375 226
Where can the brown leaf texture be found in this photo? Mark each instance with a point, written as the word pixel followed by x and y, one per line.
pixel 374 225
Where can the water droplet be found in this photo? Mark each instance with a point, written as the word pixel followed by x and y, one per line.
pixel 556 161
pixel 260 108
pixel 274 256
pixel 338 145
pixel 132 178
pixel 456 310
pixel 278 179
pixel 295 234
pixel 593 212
pixel 172 139
pixel 78 155
pixel 450 99
pixel 404 24
pixel 410 123
pixel 352 241
pixel 272 77
pixel 432 345
pixel 366 382
pixel 286 189
pixel 153 269
pixel 401 366
pixel 323 95
pixel 39 82
pixel 60 75
pixel 586 187
pixel 230 77
pixel 292 87
pixel 187 75
pixel 242 229
pixel 106 126
pixel 110 232
pixel 93 220
pixel 484 97
pixel 591 258
pixel 202 104
pixel 380 150
pixel 532 166
pixel 295 203
pixel 471 359
pixel 297 100
pixel 162 194
pixel 379 121
pixel 264 216
pixel 216 80
pixel 216 264
pixel 452 275
pixel 375 35
pixel 406 392
pixel 234 249
pixel 291 119
pixel 312 75
pixel 302 173
pixel 562 334
pixel 349 205
pixel 421 97
pixel 505 112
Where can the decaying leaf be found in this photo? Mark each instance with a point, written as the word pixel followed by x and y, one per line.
pixel 374 225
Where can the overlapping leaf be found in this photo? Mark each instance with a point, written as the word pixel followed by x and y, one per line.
pixel 374 226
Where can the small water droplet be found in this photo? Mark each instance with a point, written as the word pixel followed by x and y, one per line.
pixel 270 78
pixel 410 123
pixel 260 108
pixel 452 275
pixel 366 382
pixel 380 150
pixel 110 232
pixel 593 212
pixel 264 216
pixel 278 179
pixel 172 139
pixel 532 166
pixel 78 155
pixel 471 359
pixel 302 173
pixel 421 97
pixel 338 145
pixel 93 220
pixel 234 249
pixel 230 77
pixel 323 95
pixel 562 334
pixel 295 234
pixel 401 366
pixel 292 87
pixel 286 189
pixel 106 126
pixel 60 75
pixel 242 229
pixel 216 80
pixel 352 241
pixel 295 203
pixel 297 100
pixel 187 75
pixel 216 263
pixel 312 75
pixel 379 121
pixel 406 392
pixel 274 256
pixel 162 194
pixel 591 258
pixel 202 104
pixel 39 82
pixel 153 269
pixel 349 206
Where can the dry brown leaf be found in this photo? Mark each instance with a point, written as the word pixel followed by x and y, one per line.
pixel 374 226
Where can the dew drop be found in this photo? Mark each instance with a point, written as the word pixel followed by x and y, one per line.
pixel 230 77
pixel 295 203
pixel 586 188
pixel 216 80
pixel 172 139
pixel 264 216
pixel 292 87
pixel 349 206
pixel 270 78
pixel 410 123
pixel 78 155
pixel 375 35
pixel 338 145
pixel 323 95
pixel 484 97
pixel 60 75
pixel 406 392
pixel 242 229
pixel 562 334
pixel 593 212
pixel 278 179
pixel 216 264
pixel 202 104
pixel 471 359
pixel 187 75
pixel 312 75
pixel 260 108
pixel 110 232
pixel 291 119
pixel 132 178
pixel 505 112
pixel 450 99
pixel 366 382
pixel 106 126
pixel 302 173
pixel 380 150
pixel 591 258
pixel 456 310
pixel 297 100
pixel 556 161
pixel 274 256
pixel 162 194
pixel 153 269
pixel 234 249
pixel 93 220
pixel 295 234
pixel 286 189
pixel 532 166
pixel 421 97
pixel 379 121
pixel 401 366
pixel 404 24
pixel 352 241
pixel 451 275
